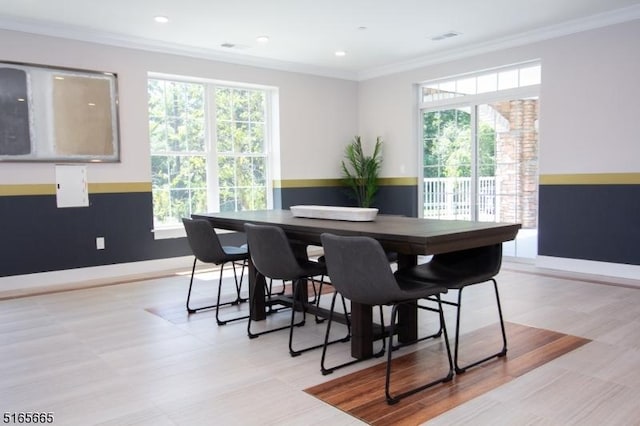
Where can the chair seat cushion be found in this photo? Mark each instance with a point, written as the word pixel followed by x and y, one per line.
pixel 413 289
pixel 236 253
pixel 436 274
pixel 457 269
pixel 311 268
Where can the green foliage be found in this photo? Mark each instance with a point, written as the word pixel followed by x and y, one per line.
pixel 447 145
pixel 360 172
pixel 179 154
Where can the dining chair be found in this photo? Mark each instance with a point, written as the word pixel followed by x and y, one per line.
pixel 456 271
pixel 206 247
pixel 359 271
pixel 274 258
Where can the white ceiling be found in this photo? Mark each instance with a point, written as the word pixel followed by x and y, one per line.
pixel 379 36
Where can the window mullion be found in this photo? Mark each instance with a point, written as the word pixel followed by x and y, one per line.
pixel 473 188
pixel 213 189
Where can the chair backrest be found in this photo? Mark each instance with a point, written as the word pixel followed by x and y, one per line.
pixel 359 269
pixel 203 240
pixel 271 252
pixel 470 266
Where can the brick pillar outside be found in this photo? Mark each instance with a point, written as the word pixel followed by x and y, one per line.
pixel 517 163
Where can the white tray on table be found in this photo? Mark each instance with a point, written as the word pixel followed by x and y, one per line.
pixel 354 214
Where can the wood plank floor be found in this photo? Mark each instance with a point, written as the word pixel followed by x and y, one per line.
pixel 361 394
pixel 129 354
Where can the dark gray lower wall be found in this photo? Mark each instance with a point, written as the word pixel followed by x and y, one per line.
pixel 39 237
pixel 400 200
pixel 590 222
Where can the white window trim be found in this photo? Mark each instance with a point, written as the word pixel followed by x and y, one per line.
pixel 177 231
pixel 471 101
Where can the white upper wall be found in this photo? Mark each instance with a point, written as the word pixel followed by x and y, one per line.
pixel 590 108
pixel 318 115
pixel 589 104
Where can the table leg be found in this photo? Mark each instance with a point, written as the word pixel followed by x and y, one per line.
pixel 361 331
pixel 257 283
pixel 407 313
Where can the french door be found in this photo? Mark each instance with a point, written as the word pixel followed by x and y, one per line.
pixel 480 162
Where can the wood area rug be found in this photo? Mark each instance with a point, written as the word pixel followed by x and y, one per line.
pixel 361 394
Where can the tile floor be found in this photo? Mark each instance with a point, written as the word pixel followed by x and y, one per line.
pixel 98 356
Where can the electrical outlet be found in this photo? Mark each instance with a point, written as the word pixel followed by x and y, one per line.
pixel 99 243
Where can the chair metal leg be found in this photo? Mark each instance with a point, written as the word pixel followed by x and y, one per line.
pixel 193 270
pixel 501 353
pixel 238 298
pixel 392 399
pixel 216 305
pixel 254 335
pixel 430 336
pixel 316 299
pixel 239 283
pixel 295 352
pixel 328 370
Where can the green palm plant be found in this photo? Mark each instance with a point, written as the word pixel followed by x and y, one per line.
pixel 360 172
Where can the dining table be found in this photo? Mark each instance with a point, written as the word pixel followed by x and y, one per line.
pixel 409 237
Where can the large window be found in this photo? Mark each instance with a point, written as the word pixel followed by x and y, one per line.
pixel 209 149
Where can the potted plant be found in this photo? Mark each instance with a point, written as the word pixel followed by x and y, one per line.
pixel 360 172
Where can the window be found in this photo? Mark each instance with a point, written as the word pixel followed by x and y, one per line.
pixel 492 81
pixel 209 148
pixel 480 150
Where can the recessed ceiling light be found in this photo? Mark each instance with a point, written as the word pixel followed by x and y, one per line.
pixel 161 19
pixel 340 53
pixel 262 39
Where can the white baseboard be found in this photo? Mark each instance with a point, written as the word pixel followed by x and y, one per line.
pixel 601 269
pixel 69 279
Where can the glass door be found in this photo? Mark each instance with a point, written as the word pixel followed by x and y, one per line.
pixel 447 167
pixel 480 163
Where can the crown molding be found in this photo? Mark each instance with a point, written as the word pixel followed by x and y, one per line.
pixel 554 31
pixel 139 43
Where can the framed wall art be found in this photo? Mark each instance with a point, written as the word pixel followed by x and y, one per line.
pixel 58 114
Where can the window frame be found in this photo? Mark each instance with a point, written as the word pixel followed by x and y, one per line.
pixel 471 100
pixel 211 141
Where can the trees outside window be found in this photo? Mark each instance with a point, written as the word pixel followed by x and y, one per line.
pixel 209 146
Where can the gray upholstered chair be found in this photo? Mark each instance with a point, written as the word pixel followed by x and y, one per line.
pixel 456 271
pixel 206 247
pixel 274 258
pixel 360 271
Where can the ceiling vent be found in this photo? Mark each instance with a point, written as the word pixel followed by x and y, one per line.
pixel 443 36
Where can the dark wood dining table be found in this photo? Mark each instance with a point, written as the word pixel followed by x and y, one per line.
pixel 407 236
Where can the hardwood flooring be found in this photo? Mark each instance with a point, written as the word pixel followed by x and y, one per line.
pixel 361 394
pixel 128 354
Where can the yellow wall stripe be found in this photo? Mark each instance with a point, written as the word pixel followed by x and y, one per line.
pixel 117 187
pixel 306 183
pixel 29 189
pixel 94 188
pixel 591 179
pixel 318 183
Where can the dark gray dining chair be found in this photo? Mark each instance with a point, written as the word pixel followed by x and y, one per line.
pixel 206 247
pixel 456 271
pixel 359 271
pixel 274 258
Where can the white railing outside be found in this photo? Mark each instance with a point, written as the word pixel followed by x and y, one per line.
pixel 450 198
